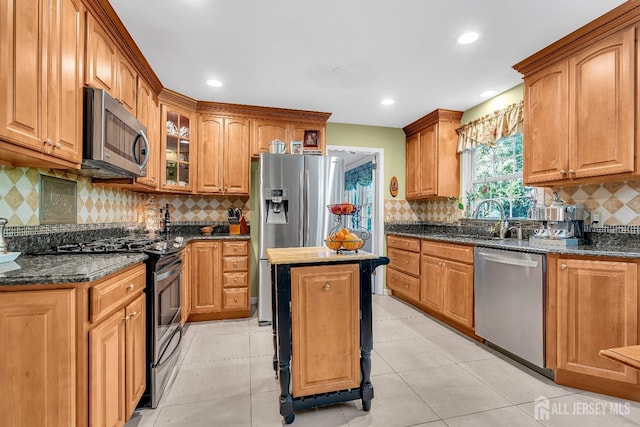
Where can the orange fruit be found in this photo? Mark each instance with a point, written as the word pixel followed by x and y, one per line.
pixel 333 244
pixel 352 242
pixel 338 236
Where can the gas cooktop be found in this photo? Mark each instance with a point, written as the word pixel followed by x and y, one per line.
pixel 153 244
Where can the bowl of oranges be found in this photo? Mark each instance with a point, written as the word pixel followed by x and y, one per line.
pixel 344 240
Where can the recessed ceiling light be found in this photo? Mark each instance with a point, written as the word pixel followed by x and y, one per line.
pixel 214 83
pixel 469 37
pixel 387 101
pixel 488 93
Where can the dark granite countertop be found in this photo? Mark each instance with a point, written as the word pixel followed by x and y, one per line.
pixel 69 268
pixel 75 268
pixel 523 245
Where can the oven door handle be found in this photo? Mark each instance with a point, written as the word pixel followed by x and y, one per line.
pixel 162 360
pixel 171 272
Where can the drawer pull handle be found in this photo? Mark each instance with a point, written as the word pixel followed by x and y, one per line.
pixel 563 266
pixel 327 286
pixel 130 287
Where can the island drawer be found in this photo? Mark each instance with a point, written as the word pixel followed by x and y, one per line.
pixel 406 243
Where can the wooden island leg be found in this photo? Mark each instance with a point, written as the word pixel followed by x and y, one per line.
pixel 283 295
pixel 366 335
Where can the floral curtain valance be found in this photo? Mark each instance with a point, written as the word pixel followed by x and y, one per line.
pixel 490 128
pixel 361 175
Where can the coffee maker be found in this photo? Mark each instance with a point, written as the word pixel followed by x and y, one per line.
pixel 562 225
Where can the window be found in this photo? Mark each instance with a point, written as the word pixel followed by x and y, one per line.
pixel 496 173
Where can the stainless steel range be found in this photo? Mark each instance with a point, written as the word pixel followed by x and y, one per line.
pixel 163 296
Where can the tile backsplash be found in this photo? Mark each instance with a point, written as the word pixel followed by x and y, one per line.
pixel 617 202
pixel 20 195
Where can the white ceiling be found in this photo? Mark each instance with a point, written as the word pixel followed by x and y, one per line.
pixel 345 56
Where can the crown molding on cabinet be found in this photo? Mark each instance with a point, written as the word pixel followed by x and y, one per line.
pixel 433 117
pixel 252 111
pixel 102 11
pixel 622 16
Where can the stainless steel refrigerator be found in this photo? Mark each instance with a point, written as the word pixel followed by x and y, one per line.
pixel 294 193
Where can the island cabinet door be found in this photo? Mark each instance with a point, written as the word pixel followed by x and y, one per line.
pixel 325 326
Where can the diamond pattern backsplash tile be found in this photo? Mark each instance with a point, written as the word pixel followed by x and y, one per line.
pixel 617 202
pixel 437 210
pixel 19 201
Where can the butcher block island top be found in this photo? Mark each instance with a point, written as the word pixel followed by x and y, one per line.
pixel 314 254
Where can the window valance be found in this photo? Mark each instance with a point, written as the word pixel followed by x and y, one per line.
pixel 490 128
pixel 360 175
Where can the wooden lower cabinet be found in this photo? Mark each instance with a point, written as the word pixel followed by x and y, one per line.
pixel 219 279
pixel 117 364
pixel 403 271
pixel 593 305
pixel 38 358
pixel 186 283
pixel 325 328
pixel 446 282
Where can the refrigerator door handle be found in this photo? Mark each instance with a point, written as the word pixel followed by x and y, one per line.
pixel 306 209
pixel 302 210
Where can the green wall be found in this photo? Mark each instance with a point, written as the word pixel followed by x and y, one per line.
pixel 391 140
pixel 498 102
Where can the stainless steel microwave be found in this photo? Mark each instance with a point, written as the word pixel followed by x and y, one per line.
pixel 114 141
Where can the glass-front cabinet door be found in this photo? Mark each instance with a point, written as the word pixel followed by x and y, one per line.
pixel 177 153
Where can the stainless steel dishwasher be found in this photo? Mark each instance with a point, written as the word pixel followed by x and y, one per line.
pixel 509 303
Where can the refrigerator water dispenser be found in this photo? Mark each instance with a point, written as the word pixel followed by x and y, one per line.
pixel 277 206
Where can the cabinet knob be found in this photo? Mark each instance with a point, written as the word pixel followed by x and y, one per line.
pixel 235 279
pixel 134 314
pixel 58 145
pixel 130 287
pixel 327 286
pixel 235 249
pixel 235 299
pixel 563 266
pixel 572 172
pixel 235 264
pixel 406 286
pixel 49 142
pixel 152 179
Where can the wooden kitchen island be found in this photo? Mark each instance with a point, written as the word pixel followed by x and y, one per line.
pixel 322 326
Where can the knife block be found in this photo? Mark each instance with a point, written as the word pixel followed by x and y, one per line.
pixel 239 227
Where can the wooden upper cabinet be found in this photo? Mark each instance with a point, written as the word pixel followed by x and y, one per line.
pixel 546 124
pixel 223 155
pixel 433 164
pixel 41 51
pixel 178 150
pixel 127 85
pixel 108 68
pixel 412 166
pixel 428 161
pixel 210 154
pixel 148 113
pixel 265 131
pixel 102 58
pixel 237 163
pixel 580 113
pixel 597 308
pixel 602 114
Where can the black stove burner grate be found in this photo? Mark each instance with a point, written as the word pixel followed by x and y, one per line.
pixel 121 244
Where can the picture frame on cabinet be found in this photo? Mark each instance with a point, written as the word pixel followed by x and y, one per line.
pixel 296 147
pixel 310 140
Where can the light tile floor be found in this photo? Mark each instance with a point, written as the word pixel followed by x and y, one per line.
pixel 423 373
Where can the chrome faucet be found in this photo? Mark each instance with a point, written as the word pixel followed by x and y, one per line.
pixel 504 225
